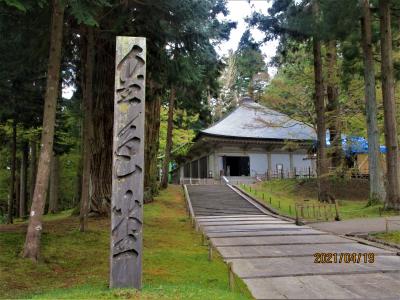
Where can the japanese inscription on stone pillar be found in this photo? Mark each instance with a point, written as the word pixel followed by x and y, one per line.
pixel 128 163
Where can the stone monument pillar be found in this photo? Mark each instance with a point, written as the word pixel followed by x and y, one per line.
pixel 128 163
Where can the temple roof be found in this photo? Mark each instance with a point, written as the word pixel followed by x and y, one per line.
pixel 254 121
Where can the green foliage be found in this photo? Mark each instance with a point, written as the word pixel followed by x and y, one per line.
pixel 290 18
pixel 245 74
pixel 24 31
pixel 192 67
pixel 24 5
pixel 23 62
pixel 249 62
pixel 183 132
pixel 85 11
pixel 15 3
pixel 69 164
pixel 291 90
pixel 68 126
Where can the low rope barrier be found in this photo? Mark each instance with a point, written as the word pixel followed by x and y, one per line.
pixel 301 210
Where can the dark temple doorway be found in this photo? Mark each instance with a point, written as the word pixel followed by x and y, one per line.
pixel 236 165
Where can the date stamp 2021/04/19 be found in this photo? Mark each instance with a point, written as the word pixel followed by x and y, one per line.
pixel 344 257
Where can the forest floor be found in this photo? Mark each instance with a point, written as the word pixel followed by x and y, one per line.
pixel 351 195
pixel 75 265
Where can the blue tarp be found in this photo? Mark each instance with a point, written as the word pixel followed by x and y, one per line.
pixel 354 145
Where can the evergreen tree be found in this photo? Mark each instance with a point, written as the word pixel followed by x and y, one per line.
pixel 338 23
pixel 21 79
pixel 32 241
pixel 190 25
pixel 377 188
pixel 391 139
pixel 249 64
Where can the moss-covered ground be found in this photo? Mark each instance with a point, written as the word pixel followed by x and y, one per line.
pixel 75 265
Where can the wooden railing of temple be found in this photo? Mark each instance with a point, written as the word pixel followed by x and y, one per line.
pixel 269 175
pixel 285 174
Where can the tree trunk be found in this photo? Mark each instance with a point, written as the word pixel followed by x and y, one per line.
pixel 376 180
pixel 87 85
pixel 78 184
pixel 32 242
pixel 11 196
pixel 80 81
pixel 152 132
pixel 78 180
pixel 322 163
pixel 168 146
pixel 17 189
pixel 54 185
pixel 32 170
pixel 103 108
pixel 23 197
pixel 389 108
pixel 47 202
pixel 333 106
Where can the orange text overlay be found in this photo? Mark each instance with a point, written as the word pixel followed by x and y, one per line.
pixel 344 257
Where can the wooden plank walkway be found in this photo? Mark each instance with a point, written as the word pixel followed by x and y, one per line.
pixel 275 258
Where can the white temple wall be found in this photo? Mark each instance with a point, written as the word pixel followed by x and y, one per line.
pixel 301 162
pixel 258 163
pixel 280 159
pixel 259 160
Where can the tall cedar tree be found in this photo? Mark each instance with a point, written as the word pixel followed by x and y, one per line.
pixel 322 162
pixel 20 93
pixel 23 194
pixel 168 146
pixel 154 20
pixel 54 181
pixel 333 114
pixel 32 241
pixel 338 23
pixel 11 195
pixel 32 168
pixel 88 53
pixel 299 21
pixel 249 62
pixel 188 77
pixel 389 108
pixel 376 180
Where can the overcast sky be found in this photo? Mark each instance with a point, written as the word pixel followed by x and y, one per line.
pixel 238 11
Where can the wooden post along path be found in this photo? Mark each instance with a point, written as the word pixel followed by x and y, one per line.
pixel 128 163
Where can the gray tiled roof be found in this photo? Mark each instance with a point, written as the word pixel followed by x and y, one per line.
pixel 252 120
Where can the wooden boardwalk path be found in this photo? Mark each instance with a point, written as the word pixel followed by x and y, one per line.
pixel 275 257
